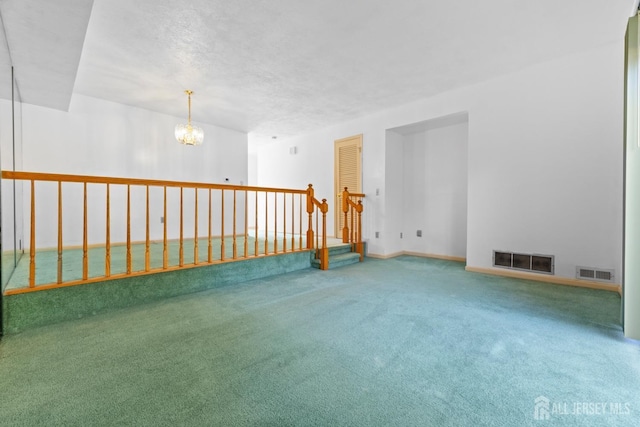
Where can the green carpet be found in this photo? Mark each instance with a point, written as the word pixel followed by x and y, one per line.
pixel 47 260
pixel 400 342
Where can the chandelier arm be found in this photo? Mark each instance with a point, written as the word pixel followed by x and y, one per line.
pixel 189 93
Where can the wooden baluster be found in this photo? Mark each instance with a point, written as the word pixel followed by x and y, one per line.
pixel 300 225
pixel 235 245
pixel 165 243
pixel 317 233
pixel 195 231
pixel 222 246
pixel 275 222
pixel 128 229
pixel 181 244
pixel 255 250
pixel 209 247
pixel 352 240
pixel 59 231
pixel 284 222
pixel 246 224
pixel 147 248
pixel 293 222
pixel 310 209
pixel 32 238
pixel 266 223
pixel 85 242
pixel 107 254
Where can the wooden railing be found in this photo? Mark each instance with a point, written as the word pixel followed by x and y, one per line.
pixel 102 222
pixel 352 230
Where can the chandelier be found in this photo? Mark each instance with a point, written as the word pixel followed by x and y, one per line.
pixel 187 134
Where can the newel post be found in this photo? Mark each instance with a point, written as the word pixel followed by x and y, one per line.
pixel 359 246
pixel 310 195
pixel 345 210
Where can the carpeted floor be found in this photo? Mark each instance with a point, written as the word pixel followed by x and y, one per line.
pixel 400 342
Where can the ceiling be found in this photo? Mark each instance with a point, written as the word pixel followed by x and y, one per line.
pixel 282 68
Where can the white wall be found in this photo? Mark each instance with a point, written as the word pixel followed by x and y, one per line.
pixel 108 139
pixel 393 194
pixel 5 132
pixel 544 161
pixel 97 137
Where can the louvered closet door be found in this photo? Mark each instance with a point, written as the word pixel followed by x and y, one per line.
pixel 348 173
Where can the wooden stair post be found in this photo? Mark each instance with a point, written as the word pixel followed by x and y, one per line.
pixel 310 209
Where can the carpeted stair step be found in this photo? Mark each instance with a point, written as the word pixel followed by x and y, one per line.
pixel 340 249
pixel 339 260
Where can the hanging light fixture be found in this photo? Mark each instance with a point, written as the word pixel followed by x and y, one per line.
pixel 187 134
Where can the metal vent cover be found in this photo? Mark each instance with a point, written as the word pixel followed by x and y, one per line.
pixel 535 263
pixel 592 273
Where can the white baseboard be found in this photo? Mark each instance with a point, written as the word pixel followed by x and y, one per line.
pixel 613 287
pixel 418 254
pixel 566 281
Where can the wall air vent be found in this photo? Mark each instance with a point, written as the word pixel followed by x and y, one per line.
pixel 591 273
pixel 535 263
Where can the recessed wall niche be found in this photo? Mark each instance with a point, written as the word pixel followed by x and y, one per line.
pixel 426 186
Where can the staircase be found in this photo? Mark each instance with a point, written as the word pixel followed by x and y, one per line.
pixel 338 256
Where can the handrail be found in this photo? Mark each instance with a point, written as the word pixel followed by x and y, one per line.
pixel 91 179
pixel 352 209
pixel 211 211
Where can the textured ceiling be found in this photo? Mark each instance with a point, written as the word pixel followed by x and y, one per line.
pixel 289 66
pixel 45 39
